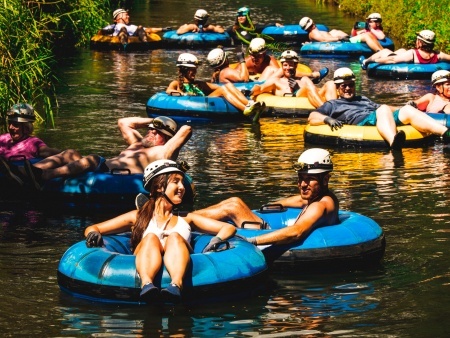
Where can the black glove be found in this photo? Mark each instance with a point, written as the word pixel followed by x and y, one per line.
pixel 411 103
pixel 293 85
pixel 94 239
pixel 240 57
pixel 212 246
pixel 333 123
pixel 345 39
pixel 166 29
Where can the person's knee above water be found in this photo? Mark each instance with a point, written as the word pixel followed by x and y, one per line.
pixel 187 84
pixel 158 235
pixel 439 101
pixel 287 84
pixel 422 53
pixel 319 204
pixel 335 35
pixel 19 144
pixel 349 108
pixel 162 140
pixel 122 27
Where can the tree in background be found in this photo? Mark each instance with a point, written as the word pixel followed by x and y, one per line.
pixel 403 18
pixel 30 33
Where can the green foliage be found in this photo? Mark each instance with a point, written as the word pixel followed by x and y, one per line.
pixel 403 18
pixel 29 32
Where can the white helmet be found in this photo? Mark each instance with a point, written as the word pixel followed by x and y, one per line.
pixel 160 167
pixel 306 23
pixel 343 74
pixel 374 16
pixel 187 60
pixel 21 112
pixel 201 15
pixel 257 46
pixel 119 11
pixel 289 55
pixel 314 161
pixel 217 57
pixel 426 36
pixel 165 125
pixel 440 76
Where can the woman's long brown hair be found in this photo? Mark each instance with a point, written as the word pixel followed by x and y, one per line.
pixel 146 213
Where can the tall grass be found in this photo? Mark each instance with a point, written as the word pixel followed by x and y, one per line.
pixel 30 32
pixel 403 18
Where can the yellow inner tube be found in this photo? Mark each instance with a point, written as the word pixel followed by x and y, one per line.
pixel 368 133
pixel 98 38
pixel 300 68
pixel 284 101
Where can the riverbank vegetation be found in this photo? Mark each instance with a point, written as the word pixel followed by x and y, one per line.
pixel 31 33
pixel 403 18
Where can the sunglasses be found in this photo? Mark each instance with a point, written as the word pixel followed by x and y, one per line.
pixel 349 85
pixel 241 14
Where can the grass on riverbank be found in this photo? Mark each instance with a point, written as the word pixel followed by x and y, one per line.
pixel 30 33
pixel 403 18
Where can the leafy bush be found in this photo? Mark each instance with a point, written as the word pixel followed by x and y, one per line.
pixel 403 18
pixel 29 32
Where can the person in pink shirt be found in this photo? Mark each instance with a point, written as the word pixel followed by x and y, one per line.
pixel 372 25
pixel 438 102
pixel 19 144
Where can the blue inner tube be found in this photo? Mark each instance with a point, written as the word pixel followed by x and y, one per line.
pixel 406 71
pixel 340 49
pixel 357 239
pixel 443 119
pixel 292 34
pixel 197 39
pixel 192 108
pixel 108 274
pixel 94 189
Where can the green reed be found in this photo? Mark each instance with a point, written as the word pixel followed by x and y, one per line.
pixel 30 33
pixel 403 18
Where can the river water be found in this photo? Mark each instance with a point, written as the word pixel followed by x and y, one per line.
pixel 407 296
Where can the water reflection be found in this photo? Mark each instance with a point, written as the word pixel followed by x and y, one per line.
pixel 295 307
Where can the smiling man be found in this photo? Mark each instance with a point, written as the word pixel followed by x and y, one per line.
pixel 319 205
pixel 288 83
pixel 163 140
pixel 353 109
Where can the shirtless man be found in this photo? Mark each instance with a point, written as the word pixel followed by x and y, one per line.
pixel 200 25
pixel 123 29
pixel 162 141
pixel 259 62
pixel 288 84
pixel 336 35
pixel 223 73
pixel 320 205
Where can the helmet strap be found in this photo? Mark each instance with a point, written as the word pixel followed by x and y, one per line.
pixel 169 200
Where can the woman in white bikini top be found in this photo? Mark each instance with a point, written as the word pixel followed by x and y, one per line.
pixel 159 237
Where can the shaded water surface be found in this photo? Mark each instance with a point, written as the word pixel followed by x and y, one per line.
pixel 407 296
